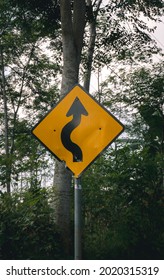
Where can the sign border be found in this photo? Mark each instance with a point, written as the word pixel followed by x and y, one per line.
pixel 123 128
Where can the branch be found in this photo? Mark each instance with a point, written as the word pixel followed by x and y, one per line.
pixel 98 7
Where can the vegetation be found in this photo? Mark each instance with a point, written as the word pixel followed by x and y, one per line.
pixel 123 190
pixel 27 230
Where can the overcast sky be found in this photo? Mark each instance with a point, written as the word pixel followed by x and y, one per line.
pixel 159 33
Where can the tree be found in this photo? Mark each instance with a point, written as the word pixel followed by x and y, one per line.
pixel 26 78
pixel 73 23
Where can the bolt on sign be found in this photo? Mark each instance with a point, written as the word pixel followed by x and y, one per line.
pixel 77 130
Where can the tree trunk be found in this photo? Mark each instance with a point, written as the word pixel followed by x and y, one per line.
pixel 73 23
pixel 6 126
pixel 87 76
pixel 91 47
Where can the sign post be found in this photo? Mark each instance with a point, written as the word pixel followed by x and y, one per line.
pixel 77 219
pixel 76 131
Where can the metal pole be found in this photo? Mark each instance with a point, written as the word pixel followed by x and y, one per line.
pixel 77 219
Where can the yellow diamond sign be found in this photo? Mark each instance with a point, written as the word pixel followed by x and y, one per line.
pixel 77 130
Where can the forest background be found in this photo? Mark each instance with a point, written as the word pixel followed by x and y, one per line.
pixel 123 189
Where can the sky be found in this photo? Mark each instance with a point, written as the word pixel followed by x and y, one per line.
pixel 159 34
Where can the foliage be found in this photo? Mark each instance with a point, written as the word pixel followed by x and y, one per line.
pixel 123 190
pixel 122 33
pixel 123 206
pixel 27 230
pixel 29 87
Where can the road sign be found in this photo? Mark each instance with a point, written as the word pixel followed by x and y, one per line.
pixel 77 130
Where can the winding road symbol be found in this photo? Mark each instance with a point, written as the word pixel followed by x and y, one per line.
pixel 77 130
pixel 76 110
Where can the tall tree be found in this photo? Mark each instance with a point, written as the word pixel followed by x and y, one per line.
pixel 73 24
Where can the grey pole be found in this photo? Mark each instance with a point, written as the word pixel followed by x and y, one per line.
pixel 77 219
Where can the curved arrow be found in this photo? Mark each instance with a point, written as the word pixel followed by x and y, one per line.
pixel 77 109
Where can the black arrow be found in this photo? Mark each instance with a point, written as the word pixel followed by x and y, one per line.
pixel 77 109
